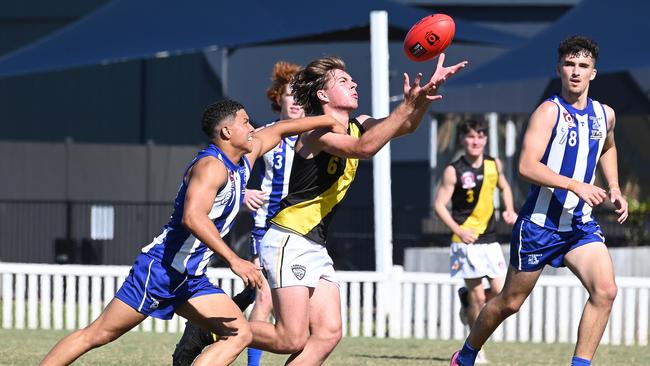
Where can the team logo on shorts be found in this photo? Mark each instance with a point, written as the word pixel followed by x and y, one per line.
pixel 533 258
pixel 299 271
pixel 154 304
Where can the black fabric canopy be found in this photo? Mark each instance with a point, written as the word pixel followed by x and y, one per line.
pixel 133 29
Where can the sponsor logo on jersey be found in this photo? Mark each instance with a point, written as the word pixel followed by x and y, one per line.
pixel 596 135
pixel 468 180
pixel 299 271
pixel 595 122
pixel 568 118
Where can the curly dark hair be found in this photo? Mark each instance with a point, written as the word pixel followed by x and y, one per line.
pixel 282 75
pixel 311 79
pixel 218 112
pixel 578 45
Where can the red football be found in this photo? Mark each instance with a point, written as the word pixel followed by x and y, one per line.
pixel 429 37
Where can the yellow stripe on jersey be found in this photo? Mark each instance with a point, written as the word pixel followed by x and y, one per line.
pixel 304 216
pixel 479 219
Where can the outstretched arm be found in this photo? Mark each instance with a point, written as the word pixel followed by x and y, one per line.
pixel 267 138
pixel 205 178
pixel 609 164
pixel 405 118
pixel 509 214
pixel 417 98
pixel 443 196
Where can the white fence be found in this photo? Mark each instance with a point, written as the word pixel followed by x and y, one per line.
pixel 399 305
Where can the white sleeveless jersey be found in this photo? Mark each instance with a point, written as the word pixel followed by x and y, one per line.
pixel 572 151
pixel 275 178
pixel 177 246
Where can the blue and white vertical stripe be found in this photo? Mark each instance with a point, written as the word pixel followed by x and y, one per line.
pixel 176 246
pixel 573 151
pixel 275 179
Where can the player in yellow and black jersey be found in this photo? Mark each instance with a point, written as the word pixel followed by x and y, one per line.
pixel 299 270
pixel 316 188
pixel 472 204
pixel 469 183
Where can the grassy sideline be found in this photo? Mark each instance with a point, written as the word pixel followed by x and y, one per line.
pixel 27 347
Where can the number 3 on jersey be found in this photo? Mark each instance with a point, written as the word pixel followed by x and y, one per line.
pixel 470 195
pixel 278 161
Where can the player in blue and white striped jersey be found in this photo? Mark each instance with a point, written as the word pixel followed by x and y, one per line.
pixel 264 202
pixel 169 275
pixel 566 137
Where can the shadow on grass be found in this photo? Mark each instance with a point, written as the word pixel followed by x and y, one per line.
pixel 397 357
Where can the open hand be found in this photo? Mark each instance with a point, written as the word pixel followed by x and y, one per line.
pixel 430 89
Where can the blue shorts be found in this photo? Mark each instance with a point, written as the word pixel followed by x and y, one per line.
pixel 533 246
pixel 156 289
pixel 256 238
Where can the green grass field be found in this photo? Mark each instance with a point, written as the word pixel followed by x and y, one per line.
pixel 27 347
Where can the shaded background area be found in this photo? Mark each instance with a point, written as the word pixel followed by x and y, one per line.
pixel 120 135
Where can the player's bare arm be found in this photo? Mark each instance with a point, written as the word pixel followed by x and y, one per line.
pixel 538 133
pixel 205 178
pixel 267 138
pixel 443 196
pixel 417 98
pixel 509 215
pixel 405 118
pixel 609 165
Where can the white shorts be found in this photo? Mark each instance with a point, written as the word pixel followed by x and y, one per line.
pixel 290 259
pixel 477 260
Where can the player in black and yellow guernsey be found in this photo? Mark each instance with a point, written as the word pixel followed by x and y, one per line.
pixel 316 187
pixel 299 270
pixel 469 183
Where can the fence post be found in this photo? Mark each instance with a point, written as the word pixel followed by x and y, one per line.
pixel 395 303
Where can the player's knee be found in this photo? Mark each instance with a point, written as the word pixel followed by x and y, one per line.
pixel 294 344
pixel 334 338
pixel 605 293
pixel 329 335
pixel 511 304
pixel 98 338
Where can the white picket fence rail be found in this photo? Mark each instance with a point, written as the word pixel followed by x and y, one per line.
pixel 399 304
